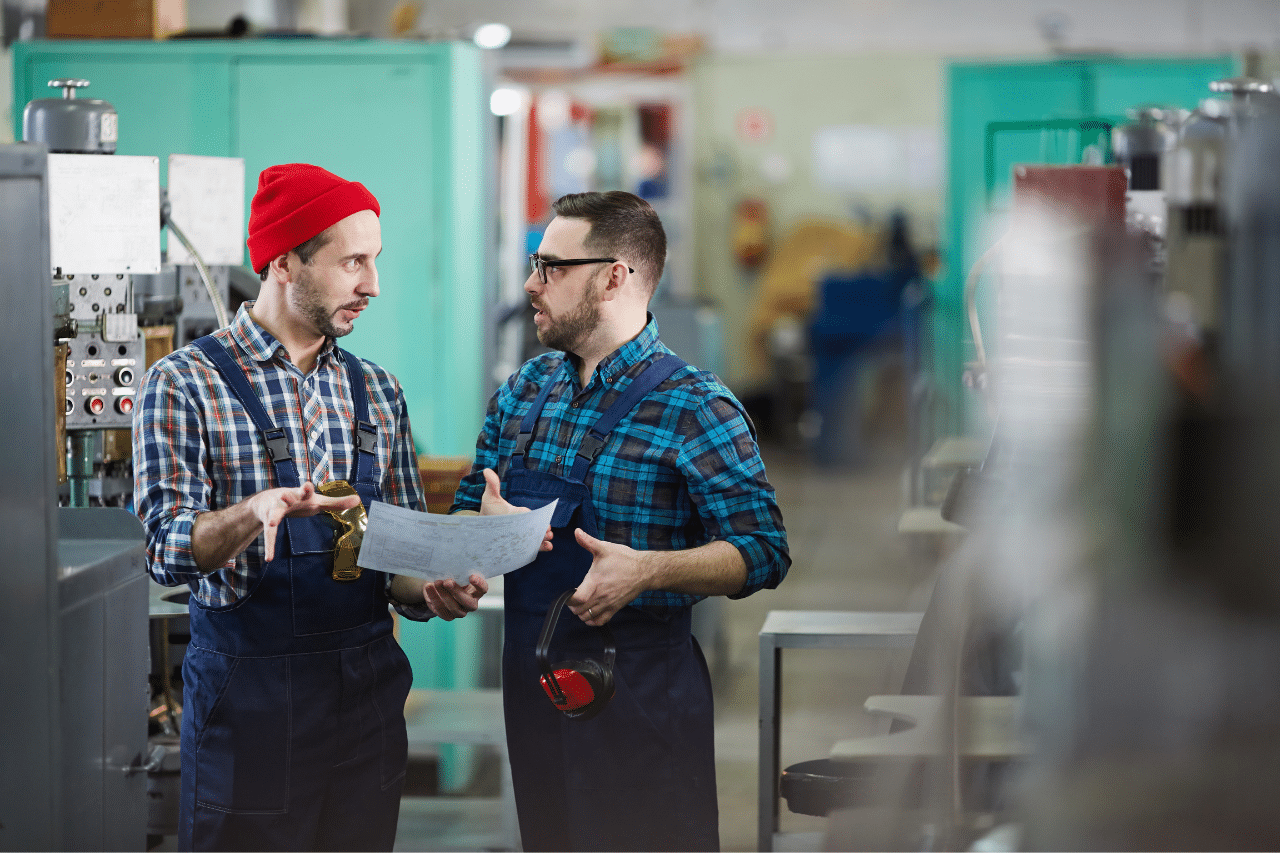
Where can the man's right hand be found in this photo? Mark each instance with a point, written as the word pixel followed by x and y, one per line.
pixel 493 503
pixel 219 536
pixel 271 506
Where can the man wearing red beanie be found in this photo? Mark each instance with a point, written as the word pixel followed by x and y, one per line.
pixel 293 732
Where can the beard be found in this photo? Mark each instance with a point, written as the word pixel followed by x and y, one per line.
pixel 307 298
pixel 568 332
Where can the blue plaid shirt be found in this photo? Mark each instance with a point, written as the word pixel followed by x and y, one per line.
pixel 195 449
pixel 681 470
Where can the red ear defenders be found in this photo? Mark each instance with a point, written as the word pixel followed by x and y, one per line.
pixel 580 688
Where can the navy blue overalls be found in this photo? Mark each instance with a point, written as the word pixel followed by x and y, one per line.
pixel 641 774
pixel 293 732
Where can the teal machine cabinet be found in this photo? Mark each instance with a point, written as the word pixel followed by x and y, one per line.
pixel 406 119
pixel 1031 112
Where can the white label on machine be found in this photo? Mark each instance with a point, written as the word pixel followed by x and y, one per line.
pixel 104 213
pixel 206 201
pixel 109 128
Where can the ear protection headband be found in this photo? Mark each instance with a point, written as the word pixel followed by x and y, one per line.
pixel 580 688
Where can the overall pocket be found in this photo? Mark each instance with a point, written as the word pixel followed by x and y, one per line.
pixel 240 711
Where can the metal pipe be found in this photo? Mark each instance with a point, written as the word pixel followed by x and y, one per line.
pixel 83 444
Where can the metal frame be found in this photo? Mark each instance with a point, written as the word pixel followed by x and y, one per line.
pixel 29 708
pixel 810 629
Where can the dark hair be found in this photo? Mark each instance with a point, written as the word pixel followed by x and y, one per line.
pixel 305 252
pixel 623 226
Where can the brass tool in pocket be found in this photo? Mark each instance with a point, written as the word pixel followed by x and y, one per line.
pixel 350 524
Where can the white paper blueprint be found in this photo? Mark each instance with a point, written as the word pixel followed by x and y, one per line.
pixel 433 547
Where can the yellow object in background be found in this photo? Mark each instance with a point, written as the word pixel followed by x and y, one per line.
pixel 440 478
pixel 790 276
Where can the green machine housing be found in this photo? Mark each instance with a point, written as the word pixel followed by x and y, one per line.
pixel 1007 113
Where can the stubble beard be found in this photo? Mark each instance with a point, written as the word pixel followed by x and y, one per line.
pixel 569 332
pixel 308 300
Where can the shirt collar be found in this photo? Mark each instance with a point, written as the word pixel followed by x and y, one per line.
pixel 629 354
pixel 260 344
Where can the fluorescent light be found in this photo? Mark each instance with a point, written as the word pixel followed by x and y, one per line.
pixel 492 36
pixel 506 101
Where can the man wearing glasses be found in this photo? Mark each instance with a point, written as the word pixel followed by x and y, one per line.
pixel 663 500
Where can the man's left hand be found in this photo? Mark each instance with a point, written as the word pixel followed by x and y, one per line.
pixel 617 575
pixel 450 600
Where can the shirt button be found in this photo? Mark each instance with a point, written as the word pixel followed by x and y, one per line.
pixel 574 404
pixel 559 459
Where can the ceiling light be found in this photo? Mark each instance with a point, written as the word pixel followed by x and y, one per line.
pixel 506 101
pixel 492 36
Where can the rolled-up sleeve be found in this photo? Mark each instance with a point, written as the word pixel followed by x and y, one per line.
pixel 726 480
pixel 169 488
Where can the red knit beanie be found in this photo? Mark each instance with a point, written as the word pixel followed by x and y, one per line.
pixel 294 203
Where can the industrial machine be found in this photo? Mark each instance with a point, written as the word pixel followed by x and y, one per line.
pixel 84 255
pixel 120 304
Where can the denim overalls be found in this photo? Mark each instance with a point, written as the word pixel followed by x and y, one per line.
pixel 293 732
pixel 641 774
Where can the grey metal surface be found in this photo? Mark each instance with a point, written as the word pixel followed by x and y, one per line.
pixel 73 613
pixel 70 124
pixel 810 629
pixel 105 695
pixel 29 800
pixel 93 295
pixel 199 316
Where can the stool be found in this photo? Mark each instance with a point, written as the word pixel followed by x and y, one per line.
pixel 810 629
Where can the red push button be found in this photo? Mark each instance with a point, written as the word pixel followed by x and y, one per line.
pixel 124 405
pixel 94 405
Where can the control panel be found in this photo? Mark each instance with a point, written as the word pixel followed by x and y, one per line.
pixel 102 379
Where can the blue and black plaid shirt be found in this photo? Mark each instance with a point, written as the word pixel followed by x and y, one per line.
pixel 195 448
pixel 681 470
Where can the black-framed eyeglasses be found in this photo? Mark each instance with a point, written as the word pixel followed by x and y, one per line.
pixel 539 264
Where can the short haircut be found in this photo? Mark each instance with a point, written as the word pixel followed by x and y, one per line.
pixel 623 226
pixel 305 252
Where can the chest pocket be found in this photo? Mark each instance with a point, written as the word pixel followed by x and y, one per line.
pixel 320 604
pixel 312 535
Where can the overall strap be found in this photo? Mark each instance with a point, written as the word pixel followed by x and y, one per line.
pixel 530 420
pixel 654 375
pixel 366 437
pixel 275 438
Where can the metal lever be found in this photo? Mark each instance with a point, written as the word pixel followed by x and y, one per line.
pixel 68 85
pixel 154 760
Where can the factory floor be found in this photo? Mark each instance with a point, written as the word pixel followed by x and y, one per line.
pixel 847 555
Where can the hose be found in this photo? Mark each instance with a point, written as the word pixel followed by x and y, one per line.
pixel 219 309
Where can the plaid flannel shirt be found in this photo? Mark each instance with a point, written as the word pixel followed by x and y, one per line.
pixel 681 470
pixel 195 449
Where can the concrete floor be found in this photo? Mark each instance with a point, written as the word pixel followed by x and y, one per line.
pixel 847 555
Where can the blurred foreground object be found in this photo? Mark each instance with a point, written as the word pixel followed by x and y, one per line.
pixel 1153 673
